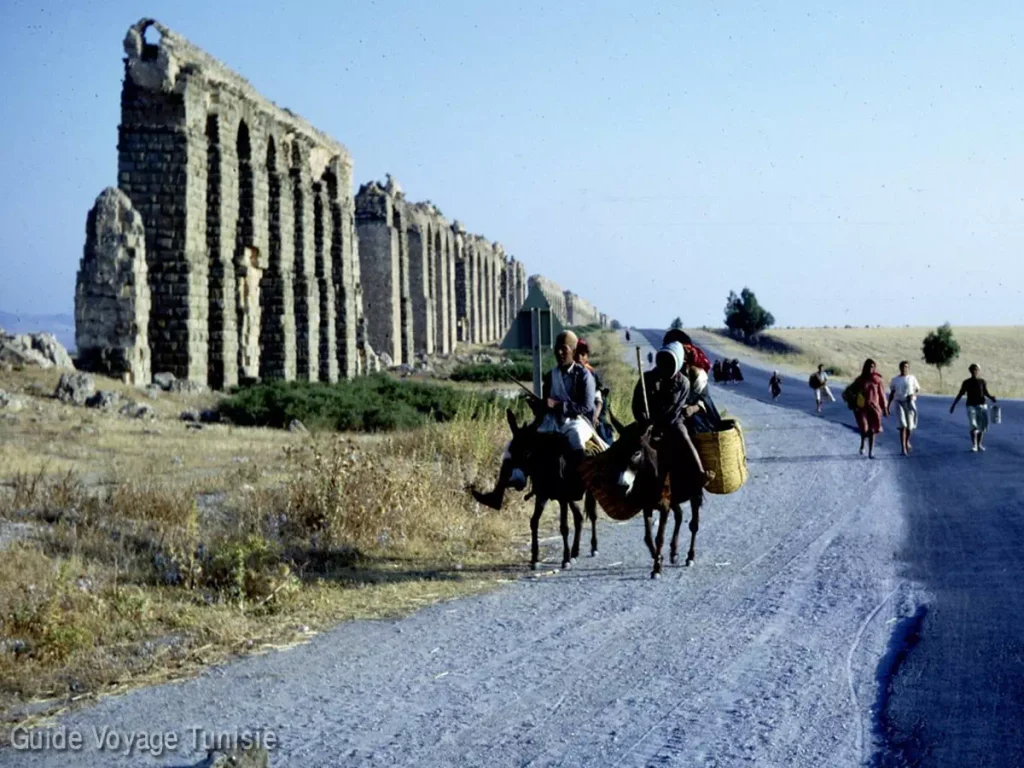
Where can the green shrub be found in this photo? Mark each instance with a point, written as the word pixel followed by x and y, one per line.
pixel 481 372
pixel 367 404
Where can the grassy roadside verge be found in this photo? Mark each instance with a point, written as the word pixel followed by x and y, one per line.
pixel 135 552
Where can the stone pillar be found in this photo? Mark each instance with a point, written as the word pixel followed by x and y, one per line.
pixel 478 293
pixel 112 297
pixel 443 341
pixel 277 326
pixel 322 236
pixel 307 291
pixel 462 293
pixel 162 136
pixel 221 223
pixel 380 270
pixel 417 233
pixel 344 272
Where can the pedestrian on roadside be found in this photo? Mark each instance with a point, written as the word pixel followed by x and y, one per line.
pixel 977 409
pixel 627 335
pixel 775 385
pixel 903 389
pixel 870 405
pixel 819 383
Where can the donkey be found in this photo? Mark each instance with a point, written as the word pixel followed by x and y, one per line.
pixel 646 480
pixel 541 457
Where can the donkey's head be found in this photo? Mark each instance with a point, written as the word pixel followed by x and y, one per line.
pixel 518 452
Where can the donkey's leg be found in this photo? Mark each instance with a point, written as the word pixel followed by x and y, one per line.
pixel 677 510
pixel 659 542
pixel 590 505
pixel 577 520
pixel 695 503
pixel 648 538
pixel 538 508
pixel 563 527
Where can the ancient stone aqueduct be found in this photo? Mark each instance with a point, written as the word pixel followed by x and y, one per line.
pixel 232 248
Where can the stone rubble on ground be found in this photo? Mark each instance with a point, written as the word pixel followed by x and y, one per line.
pixel 74 388
pixel 297 426
pixel 10 403
pixel 104 400
pixel 134 410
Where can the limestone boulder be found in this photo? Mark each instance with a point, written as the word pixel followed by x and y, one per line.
pixel 135 410
pixel 10 403
pixel 40 350
pixel 75 388
pixel 104 400
pixel 164 380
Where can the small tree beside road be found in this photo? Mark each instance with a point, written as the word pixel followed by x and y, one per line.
pixel 940 348
pixel 743 314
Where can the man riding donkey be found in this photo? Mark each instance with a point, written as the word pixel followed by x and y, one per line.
pixel 566 407
pixel 550 450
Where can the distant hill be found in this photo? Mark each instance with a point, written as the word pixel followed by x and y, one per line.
pixel 62 326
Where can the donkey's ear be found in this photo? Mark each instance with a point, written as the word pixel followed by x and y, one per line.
pixel 511 420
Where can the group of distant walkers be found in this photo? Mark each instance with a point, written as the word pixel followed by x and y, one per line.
pixel 870 403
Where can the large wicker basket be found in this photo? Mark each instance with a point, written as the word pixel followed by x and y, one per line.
pixel 725 453
pixel 600 476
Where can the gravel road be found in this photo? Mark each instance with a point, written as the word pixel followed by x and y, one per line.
pixel 781 646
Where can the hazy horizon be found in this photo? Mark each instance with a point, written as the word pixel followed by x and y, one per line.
pixel 855 166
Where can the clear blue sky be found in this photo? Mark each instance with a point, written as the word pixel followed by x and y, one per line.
pixel 858 165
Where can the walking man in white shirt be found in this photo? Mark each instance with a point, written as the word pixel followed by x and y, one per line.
pixel 903 390
pixel 819 382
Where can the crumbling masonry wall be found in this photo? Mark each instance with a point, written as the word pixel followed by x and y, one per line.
pixel 234 250
pixel 248 217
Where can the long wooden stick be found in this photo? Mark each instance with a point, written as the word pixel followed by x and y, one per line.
pixel 643 384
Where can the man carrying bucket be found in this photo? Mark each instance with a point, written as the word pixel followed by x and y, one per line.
pixel 977 409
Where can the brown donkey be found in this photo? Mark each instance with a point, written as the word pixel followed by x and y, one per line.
pixel 541 457
pixel 646 481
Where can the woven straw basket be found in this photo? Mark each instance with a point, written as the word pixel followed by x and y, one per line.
pixel 724 452
pixel 600 476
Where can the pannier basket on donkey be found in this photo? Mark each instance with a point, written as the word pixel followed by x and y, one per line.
pixel 723 451
pixel 632 476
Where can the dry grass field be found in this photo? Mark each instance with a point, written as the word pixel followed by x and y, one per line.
pixel 136 551
pixel 999 351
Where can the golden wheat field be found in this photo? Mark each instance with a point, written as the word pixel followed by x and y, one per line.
pixel 998 350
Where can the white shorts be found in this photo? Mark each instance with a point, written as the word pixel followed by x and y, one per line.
pixel 823 391
pixel 977 417
pixel 577 429
pixel 908 414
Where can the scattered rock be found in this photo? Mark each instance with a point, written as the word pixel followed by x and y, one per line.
pixel 404 369
pixel 210 416
pixel 152 391
pixel 187 387
pixel 75 388
pixel 164 380
pixel 193 425
pixel 385 359
pixel 37 390
pixel 135 410
pixel 297 426
pixel 189 416
pixel 104 400
pixel 256 757
pixel 10 403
